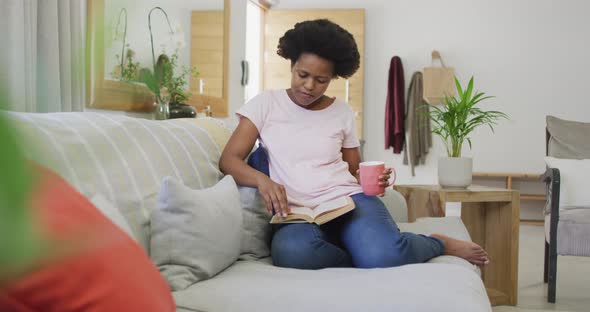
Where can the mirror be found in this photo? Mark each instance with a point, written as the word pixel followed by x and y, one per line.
pixel 195 32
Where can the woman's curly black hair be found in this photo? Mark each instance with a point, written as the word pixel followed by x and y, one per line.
pixel 324 39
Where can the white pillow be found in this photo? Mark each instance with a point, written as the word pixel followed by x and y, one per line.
pixel 575 181
pixel 195 234
pixel 110 211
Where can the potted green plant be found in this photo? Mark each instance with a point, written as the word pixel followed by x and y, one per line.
pixel 175 80
pixel 454 122
pixel 169 89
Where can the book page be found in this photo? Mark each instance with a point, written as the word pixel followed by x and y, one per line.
pixel 321 214
pixel 330 205
pixel 292 218
pixel 302 211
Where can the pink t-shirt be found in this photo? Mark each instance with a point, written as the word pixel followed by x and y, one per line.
pixel 304 146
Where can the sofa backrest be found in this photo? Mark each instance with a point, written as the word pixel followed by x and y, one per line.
pixel 123 158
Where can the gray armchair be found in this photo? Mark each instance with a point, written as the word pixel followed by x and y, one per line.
pixel 567 231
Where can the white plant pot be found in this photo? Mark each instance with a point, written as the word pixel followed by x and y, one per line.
pixel 455 172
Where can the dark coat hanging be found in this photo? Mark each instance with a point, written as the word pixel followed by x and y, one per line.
pixel 394 107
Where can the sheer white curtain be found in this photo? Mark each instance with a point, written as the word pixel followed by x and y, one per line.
pixel 42 54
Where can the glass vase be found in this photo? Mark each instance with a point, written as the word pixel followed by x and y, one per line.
pixel 162 110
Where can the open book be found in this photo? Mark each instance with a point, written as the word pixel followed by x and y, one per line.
pixel 321 214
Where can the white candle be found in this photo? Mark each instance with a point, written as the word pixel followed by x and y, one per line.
pixel 201 83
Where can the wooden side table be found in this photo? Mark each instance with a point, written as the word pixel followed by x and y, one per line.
pixel 491 216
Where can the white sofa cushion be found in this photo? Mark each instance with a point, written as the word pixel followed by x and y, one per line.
pixel 575 181
pixel 124 158
pixel 450 226
pixel 259 286
pixel 445 283
pixel 396 205
pixel 195 233
pixel 110 211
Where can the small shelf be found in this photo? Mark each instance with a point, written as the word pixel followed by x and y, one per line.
pixel 510 177
pixel 529 185
pixel 532 176
pixel 532 197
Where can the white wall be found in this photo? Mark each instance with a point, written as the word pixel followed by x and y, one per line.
pixel 531 54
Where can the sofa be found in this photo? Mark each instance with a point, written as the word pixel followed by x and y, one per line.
pixel 119 161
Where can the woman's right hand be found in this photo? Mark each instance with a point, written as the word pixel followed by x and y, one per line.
pixel 274 195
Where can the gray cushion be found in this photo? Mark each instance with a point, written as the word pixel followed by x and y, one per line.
pixel 573 231
pixel 256 229
pixel 569 139
pixel 195 233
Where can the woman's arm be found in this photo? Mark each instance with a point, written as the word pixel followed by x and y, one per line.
pixel 232 162
pixel 353 157
pixel 236 150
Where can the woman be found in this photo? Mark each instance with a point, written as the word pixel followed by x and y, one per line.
pixel 313 156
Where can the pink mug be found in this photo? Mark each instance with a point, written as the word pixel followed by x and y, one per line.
pixel 369 173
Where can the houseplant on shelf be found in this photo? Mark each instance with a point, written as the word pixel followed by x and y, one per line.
pixel 175 80
pixel 167 87
pixel 127 71
pixel 454 122
pixel 152 79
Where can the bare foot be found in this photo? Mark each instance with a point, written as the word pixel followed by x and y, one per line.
pixel 467 250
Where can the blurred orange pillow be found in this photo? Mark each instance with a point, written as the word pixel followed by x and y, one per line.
pixel 96 266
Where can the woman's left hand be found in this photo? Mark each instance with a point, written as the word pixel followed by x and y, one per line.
pixel 384 180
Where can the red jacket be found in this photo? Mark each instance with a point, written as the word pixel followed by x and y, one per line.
pixel 394 107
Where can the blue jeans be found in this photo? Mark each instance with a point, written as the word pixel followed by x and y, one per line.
pixel 366 237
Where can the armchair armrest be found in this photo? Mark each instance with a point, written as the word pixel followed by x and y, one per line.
pixel 396 205
pixel 552 179
pixel 550 175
